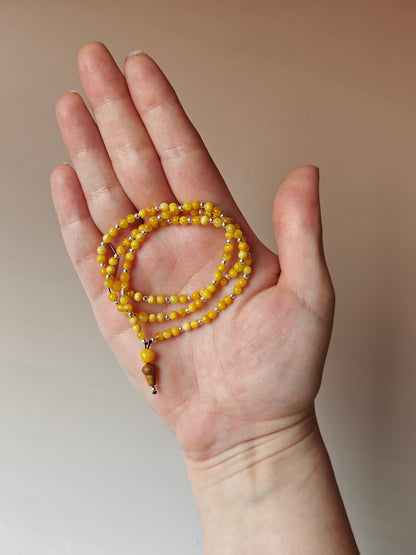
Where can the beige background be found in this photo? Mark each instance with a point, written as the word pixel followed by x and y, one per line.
pixel 85 467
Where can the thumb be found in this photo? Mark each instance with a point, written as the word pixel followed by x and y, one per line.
pixel 298 233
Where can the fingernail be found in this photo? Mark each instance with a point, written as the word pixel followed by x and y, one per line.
pixel 134 53
pixel 73 91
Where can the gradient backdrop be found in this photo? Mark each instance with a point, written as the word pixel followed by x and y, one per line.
pixel 85 467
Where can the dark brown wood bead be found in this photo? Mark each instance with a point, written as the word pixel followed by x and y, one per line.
pixel 149 370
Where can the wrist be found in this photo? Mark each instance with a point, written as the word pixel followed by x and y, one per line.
pixel 258 496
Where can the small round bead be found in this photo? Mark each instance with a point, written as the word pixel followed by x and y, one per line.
pixel 186 326
pixel 147 355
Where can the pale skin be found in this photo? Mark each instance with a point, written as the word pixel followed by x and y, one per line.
pixel 237 393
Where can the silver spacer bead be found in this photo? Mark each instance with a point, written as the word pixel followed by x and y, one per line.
pixel 167 299
pixel 224 224
pixel 180 208
pixel 117 227
pixel 166 316
pixel 227 276
pixel 144 298
pixel 131 250
pixel 116 303
pixel 107 276
pixel 123 292
pixel 245 276
pixel 115 255
pixel 160 217
pixel 203 299
pixel 157 208
pixel 229 241
pixel 125 271
pixel 211 220
pixel 102 265
pixel 222 215
pixel 201 204
pixel 169 221
pixel 223 262
pixel 240 240
pixel 143 232
pixel 189 298
pixel 189 220
pixel 241 260
pixel 214 281
pixel 216 309
pixel 131 314
pixel 180 328
pixel 232 295
pixel 137 216
pixel 187 310
pixel 200 322
pixel 103 244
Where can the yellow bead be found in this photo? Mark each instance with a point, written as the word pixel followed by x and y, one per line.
pixel 110 269
pixel 163 206
pixel 205 294
pixel 140 335
pixel 128 308
pixel 166 334
pixel 217 222
pixel 107 238
pixel 160 299
pixel 173 208
pixel 227 299
pixel 196 220
pixel 233 273
pixel 120 308
pixel 212 314
pixel 182 312
pixel 151 210
pixel 127 264
pixel 183 299
pixel 159 336
pixel 228 247
pixel 124 277
pixel 216 212
pixel 142 213
pixel 205 319
pixel 147 355
pixel 124 299
pixel 229 228
pixel 204 220
pixel 226 256
pixel 175 220
pixel 116 286
pixel 173 315
pixel 153 221
pixel 134 245
pixel 113 261
pixel 112 297
pixel 152 318
pixel 175 331
pixel 194 324
pixel 101 259
pixel 138 296
pixel 211 287
pixel 112 231
pixel 136 327
pixel 247 270
pixel 186 326
pixel 160 317
pixel 183 220
pixel 243 246
pixel 238 233
pixel 108 282
pixel 143 317
pixel 217 276
pixel 242 282
pixel 130 218
pixel 103 271
pixel 237 289
pixel 173 299
pixel 198 303
pixel 208 207
pixel 221 305
pixel 192 307
pixel 238 266
pixel 221 268
pixel 120 250
pixel 133 320
pixel 126 243
pixel 151 299
pixel 187 206
pixel 102 249
pixel 123 223
pixel 195 204
pixel 223 282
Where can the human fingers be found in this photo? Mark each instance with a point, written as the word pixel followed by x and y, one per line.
pixel 298 232
pixel 130 149
pixel 186 162
pixel 104 196
pixel 81 235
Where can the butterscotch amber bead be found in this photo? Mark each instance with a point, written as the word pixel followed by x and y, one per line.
pixel 149 370
pixel 147 355
pixel 208 207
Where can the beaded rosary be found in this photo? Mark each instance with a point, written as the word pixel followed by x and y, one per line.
pixel 122 295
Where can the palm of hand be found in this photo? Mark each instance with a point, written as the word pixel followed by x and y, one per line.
pixel 254 367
